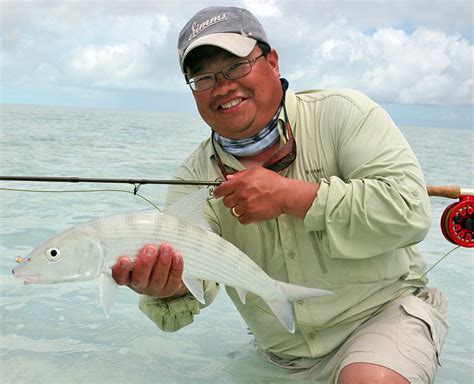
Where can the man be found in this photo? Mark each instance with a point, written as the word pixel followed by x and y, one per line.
pixel 321 190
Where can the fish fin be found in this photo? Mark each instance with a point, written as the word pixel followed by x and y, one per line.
pixel 195 287
pixel 283 310
pixel 242 294
pixel 190 208
pixel 295 292
pixel 108 290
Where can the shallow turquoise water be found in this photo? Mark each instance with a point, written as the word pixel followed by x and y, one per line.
pixel 58 333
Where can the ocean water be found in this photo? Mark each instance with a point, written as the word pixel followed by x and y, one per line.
pixel 59 334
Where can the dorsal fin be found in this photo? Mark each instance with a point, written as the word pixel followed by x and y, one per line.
pixel 191 208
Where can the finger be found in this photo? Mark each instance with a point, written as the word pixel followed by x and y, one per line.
pixel 159 275
pixel 234 212
pixel 230 200
pixel 247 219
pixel 175 274
pixel 143 267
pixel 121 271
pixel 226 188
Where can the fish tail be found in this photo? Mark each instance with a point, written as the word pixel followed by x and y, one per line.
pixel 297 292
pixel 283 309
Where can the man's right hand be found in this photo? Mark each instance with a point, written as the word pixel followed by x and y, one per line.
pixel 156 272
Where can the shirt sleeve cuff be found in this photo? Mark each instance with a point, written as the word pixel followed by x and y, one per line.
pixel 315 217
pixel 170 315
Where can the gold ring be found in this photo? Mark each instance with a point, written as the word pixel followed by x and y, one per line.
pixel 234 213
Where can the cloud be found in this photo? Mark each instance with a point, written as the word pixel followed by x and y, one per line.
pixel 263 8
pixel 401 51
pixel 133 62
pixel 425 66
pixel 121 62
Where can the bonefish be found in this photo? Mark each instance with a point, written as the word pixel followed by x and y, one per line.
pixel 89 251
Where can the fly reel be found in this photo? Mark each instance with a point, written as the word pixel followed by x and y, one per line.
pixel 457 220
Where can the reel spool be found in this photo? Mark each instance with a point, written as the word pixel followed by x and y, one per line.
pixel 457 222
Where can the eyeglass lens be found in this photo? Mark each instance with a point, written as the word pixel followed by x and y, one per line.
pixel 231 72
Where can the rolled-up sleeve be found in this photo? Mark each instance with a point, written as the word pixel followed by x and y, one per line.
pixel 378 202
pixel 170 315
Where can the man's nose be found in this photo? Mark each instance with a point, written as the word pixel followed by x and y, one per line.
pixel 224 85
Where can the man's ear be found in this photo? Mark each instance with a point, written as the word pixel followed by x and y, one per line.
pixel 272 59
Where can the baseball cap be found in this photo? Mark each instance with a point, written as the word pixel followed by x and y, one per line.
pixel 234 29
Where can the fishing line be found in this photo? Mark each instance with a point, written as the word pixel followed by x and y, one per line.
pixel 388 302
pixel 135 193
pixel 380 309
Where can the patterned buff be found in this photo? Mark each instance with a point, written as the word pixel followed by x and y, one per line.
pixel 258 143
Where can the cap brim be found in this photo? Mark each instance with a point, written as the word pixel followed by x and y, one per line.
pixel 234 43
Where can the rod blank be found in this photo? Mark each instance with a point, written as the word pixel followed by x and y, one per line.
pixel 449 191
pixel 57 179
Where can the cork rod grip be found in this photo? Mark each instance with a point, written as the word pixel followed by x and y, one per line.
pixel 449 191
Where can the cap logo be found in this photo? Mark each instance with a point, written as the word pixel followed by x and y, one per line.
pixel 198 28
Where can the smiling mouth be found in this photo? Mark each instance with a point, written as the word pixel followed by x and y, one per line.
pixel 231 104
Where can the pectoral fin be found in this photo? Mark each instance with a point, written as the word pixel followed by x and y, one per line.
pixel 108 290
pixel 195 287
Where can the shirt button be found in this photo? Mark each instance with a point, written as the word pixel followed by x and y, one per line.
pixel 312 336
pixel 300 301
pixel 291 254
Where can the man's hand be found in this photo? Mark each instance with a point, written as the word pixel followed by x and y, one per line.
pixel 155 272
pixel 258 194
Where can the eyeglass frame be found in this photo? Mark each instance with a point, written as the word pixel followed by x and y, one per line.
pixel 250 61
pixel 277 162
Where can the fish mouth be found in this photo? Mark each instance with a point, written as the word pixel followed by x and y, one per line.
pixel 28 279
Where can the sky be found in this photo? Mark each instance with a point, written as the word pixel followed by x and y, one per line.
pixel 414 57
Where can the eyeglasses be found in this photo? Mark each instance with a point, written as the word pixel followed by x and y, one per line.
pixel 280 160
pixel 231 72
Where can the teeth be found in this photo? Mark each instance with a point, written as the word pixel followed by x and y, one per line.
pixel 231 104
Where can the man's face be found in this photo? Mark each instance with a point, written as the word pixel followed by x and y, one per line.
pixel 242 107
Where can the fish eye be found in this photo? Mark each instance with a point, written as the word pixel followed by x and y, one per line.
pixel 53 254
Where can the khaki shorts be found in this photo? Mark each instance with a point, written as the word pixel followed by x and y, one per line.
pixel 406 337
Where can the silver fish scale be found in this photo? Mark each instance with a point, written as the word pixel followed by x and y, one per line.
pixel 206 255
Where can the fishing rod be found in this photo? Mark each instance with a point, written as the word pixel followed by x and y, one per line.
pixel 457 220
pixel 135 182
pixel 449 191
